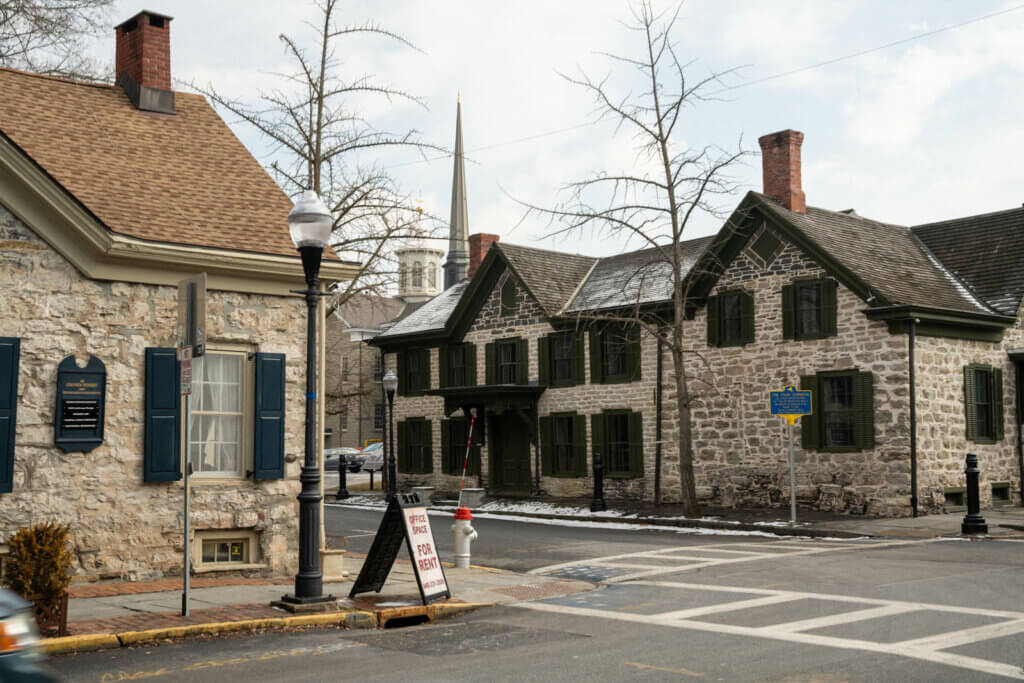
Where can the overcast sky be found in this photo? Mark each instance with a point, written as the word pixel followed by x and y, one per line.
pixel 921 131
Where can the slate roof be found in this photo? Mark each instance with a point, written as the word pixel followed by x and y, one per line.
pixel 885 256
pixel 985 251
pixel 183 179
pixel 551 276
pixel 430 316
pixel 635 277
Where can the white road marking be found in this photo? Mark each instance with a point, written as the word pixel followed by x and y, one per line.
pixel 946 641
pixel 724 607
pixel 772 633
pixel 843 618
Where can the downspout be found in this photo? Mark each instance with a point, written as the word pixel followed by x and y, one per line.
pixel 1019 412
pixel 913 420
pixel 657 428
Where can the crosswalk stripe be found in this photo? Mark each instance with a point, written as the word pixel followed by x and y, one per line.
pixel 945 641
pixel 843 618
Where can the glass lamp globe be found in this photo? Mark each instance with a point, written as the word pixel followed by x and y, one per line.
pixel 390 382
pixel 310 222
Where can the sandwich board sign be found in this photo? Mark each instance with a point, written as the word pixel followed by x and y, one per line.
pixel 791 405
pixel 404 519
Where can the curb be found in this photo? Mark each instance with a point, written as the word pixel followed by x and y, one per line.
pixel 686 524
pixel 431 612
pixel 102 641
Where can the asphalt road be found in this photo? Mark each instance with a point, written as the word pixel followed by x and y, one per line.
pixel 670 607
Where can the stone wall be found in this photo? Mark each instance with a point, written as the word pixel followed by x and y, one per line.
pixel 120 526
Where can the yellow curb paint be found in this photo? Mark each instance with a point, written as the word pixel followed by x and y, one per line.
pixel 131 637
pixel 91 641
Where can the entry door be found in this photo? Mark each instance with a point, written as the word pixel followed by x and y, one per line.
pixel 510 454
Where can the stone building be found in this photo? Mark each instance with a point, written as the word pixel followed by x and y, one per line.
pixel 909 338
pixel 109 196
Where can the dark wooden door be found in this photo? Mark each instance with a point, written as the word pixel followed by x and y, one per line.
pixel 510 454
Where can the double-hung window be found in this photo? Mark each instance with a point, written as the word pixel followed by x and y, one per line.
pixel 507 362
pixel 560 359
pixel 614 354
pixel 216 443
pixel 378 417
pixel 983 403
pixel 843 418
pixel 563 445
pixel 809 309
pixel 415 446
pixel 618 436
pixel 730 319
pixel 416 376
pixel 457 365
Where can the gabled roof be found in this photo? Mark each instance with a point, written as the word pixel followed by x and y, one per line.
pixel 634 278
pixel 429 317
pixel 180 179
pixel 986 252
pixel 551 276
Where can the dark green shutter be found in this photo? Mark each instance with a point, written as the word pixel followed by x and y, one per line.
pixel 428 448
pixel 447 461
pixel 268 438
pixel 469 356
pixel 747 308
pixel 578 376
pixel 579 445
pixel 597 444
pixel 970 400
pixel 788 312
pixel 713 324
pixel 864 400
pixel 162 451
pixel 442 365
pixel 543 353
pixel 633 353
pixel 829 308
pixel 425 365
pixel 636 445
pixel 403 374
pixel 809 439
pixel 508 297
pixel 596 376
pixel 10 357
pixel 547 447
pixel 522 362
pixel 490 364
pixel 403 454
pixel 997 403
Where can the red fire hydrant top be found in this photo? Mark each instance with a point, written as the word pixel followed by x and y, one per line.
pixel 463 513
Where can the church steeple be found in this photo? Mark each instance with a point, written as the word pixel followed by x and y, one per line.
pixel 456 266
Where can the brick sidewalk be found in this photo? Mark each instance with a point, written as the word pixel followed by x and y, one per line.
pixel 144 622
pixel 103 590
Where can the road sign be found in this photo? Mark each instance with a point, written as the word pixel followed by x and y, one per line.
pixel 185 356
pixel 192 313
pixel 791 404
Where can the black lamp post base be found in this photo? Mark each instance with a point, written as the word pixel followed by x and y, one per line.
pixel 973 524
pixel 295 605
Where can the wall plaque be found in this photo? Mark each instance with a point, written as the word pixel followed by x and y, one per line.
pixel 81 404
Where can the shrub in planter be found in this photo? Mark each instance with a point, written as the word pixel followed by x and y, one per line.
pixel 38 568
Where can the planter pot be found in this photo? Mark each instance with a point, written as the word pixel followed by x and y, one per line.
pixel 473 498
pixel 51 614
pixel 426 494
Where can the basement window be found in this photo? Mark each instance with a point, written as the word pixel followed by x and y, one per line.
pixel 956 499
pixel 230 549
pixel 1001 493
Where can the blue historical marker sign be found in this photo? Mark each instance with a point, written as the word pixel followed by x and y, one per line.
pixel 789 401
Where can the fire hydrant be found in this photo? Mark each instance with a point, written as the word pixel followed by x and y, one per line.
pixel 464 535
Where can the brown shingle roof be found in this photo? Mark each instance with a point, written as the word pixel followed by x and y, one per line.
pixel 551 276
pixel 183 179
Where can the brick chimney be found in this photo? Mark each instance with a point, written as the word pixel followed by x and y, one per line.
pixel 780 159
pixel 478 246
pixel 143 61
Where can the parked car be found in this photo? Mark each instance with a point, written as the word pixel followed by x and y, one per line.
pixel 373 457
pixel 353 458
pixel 19 639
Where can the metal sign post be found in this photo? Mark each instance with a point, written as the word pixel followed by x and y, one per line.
pixel 185 356
pixel 791 405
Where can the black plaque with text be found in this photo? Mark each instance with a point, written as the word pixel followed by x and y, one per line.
pixel 81 399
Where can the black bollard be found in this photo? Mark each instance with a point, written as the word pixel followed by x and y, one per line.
pixel 597 505
pixel 342 493
pixel 973 522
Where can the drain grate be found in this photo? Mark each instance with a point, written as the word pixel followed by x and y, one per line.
pixel 539 591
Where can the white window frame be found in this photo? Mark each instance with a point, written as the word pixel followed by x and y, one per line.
pixel 248 536
pixel 248 405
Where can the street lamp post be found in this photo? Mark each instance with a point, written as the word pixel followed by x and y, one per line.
pixel 390 382
pixel 310 225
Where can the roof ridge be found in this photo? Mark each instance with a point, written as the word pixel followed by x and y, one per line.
pixel 59 79
pixel 501 244
pixel 579 288
pixel 1017 209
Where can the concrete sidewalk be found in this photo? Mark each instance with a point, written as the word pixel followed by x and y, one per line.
pixel 118 614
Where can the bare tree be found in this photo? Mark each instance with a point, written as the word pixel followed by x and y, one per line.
pixel 49 36
pixel 652 203
pixel 320 141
